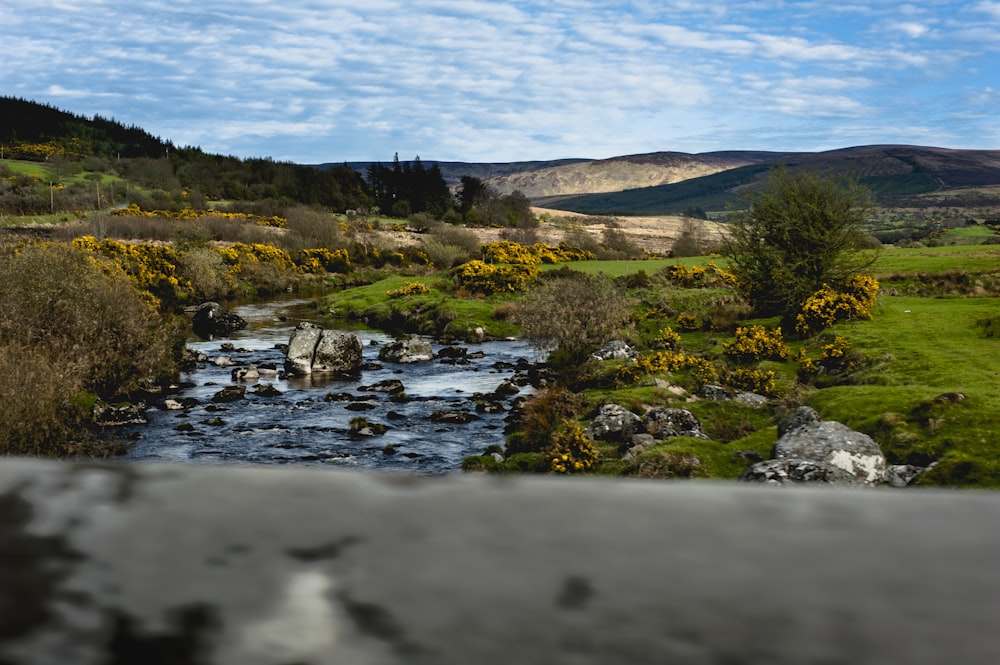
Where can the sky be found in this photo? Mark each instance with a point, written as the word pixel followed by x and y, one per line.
pixel 314 81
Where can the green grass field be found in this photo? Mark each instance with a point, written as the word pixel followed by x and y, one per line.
pixel 974 258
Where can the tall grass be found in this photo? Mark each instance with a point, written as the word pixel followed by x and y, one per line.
pixel 71 330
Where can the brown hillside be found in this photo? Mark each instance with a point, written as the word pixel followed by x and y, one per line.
pixel 621 173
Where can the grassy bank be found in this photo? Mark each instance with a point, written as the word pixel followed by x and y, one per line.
pixel 922 377
pixel 436 312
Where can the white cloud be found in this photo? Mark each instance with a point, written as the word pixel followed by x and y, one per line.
pixel 911 29
pixel 477 79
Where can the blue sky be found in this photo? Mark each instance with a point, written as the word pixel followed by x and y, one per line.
pixel 470 80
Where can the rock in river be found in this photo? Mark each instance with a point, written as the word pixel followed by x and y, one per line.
pixel 313 349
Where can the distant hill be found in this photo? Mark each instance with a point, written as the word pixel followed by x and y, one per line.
pixel 623 173
pixel 892 172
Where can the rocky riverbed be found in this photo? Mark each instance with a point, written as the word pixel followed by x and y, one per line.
pixel 239 407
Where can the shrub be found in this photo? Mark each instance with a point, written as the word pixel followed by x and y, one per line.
pixel 852 300
pixel 668 339
pixel 206 272
pixel 507 251
pixel 573 315
pixel 752 380
pixel 321 260
pixel 689 322
pixel 70 324
pixel 669 361
pixel 480 277
pixel 152 268
pixel 445 255
pixel 408 289
pixel 800 232
pixel 571 451
pixel 539 416
pixel 756 343
pixel 709 275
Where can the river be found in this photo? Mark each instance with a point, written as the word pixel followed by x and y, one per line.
pixel 308 421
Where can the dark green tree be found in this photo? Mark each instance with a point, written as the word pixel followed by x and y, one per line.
pixel 801 231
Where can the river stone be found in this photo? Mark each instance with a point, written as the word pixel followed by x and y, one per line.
pixel 614 423
pixel 833 443
pixel 408 350
pixel 389 386
pixel 337 352
pixel 212 320
pixel 665 422
pixel 302 348
pixel 453 417
pixel 229 394
pixel 313 349
pixel 248 373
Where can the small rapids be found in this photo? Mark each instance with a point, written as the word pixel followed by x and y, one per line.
pixel 308 420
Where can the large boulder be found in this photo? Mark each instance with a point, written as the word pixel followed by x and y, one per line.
pixel 212 320
pixel 799 472
pixel 833 443
pixel 337 351
pixel 664 423
pixel 313 349
pixel 614 423
pixel 407 350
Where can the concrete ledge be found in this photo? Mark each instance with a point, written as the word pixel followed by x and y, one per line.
pixel 124 563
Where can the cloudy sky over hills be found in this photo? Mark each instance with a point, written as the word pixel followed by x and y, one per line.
pixel 333 80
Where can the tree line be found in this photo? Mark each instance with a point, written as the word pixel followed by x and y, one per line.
pixel 77 150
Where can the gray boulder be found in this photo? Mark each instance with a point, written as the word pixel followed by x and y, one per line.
pixel 664 423
pixel 302 348
pixel 614 350
pixel 337 352
pixel 836 444
pixel 901 475
pixel 212 320
pixel 753 400
pixel 614 423
pixel 804 415
pixel 798 472
pixel 407 350
pixel 313 349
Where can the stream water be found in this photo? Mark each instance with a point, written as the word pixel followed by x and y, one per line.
pixel 308 421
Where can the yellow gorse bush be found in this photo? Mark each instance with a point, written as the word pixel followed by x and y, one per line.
pixel 834 356
pixel 854 300
pixel 570 451
pixel 757 381
pixel 408 289
pixel 153 268
pixel 668 339
pixel 318 261
pixel 238 254
pixel 480 277
pixel 709 275
pixel 669 361
pixel 506 251
pixel 756 343
pixel 133 210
